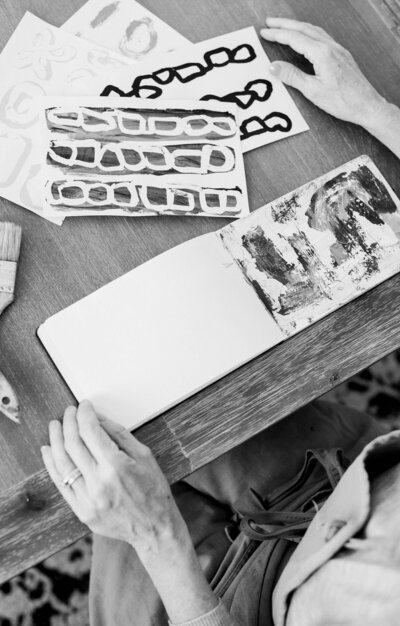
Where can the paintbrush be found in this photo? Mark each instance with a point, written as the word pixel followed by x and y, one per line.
pixel 10 245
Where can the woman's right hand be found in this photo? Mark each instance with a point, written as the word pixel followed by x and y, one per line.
pixel 338 87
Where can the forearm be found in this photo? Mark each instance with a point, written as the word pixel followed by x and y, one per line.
pixel 385 126
pixel 178 578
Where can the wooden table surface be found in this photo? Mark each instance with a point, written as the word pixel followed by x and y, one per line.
pixel 60 265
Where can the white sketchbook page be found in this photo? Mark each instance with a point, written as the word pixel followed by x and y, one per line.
pixel 320 246
pixel 160 333
pixel 124 26
pixel 207 171
pixel 234 64
pixel 38 59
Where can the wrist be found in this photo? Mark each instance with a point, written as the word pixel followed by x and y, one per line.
pixel 166 544
pixel 176 574
pixel 377 116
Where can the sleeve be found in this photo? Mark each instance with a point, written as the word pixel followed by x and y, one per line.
pixel 217 617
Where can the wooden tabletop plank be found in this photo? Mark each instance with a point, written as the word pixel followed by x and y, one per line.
pixel 60 265
pixel 35 519
pixel 389 12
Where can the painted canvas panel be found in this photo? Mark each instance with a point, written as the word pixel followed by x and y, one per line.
pixel 124 156
pixel 38 59
pixel 124 26
pixel 316 248
pixel 232 68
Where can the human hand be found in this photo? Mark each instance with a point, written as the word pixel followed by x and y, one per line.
pixel 121 492
pixel 338 87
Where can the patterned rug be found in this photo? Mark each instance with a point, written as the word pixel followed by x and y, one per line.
pixel 54 593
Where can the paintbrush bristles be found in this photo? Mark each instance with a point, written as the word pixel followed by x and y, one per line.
pixel 10 241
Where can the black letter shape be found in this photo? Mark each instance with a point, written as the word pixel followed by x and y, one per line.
pixel 242 99
pixel 108 89
pixel 208 57
pixel 197 71
pixel 266 84
pixel 170 75
pixel 139 84
pixel 261 125
pixel 245 46
pixel 285 127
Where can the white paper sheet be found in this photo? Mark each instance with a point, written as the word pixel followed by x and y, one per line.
pixel 124 26
pixel 161 332
pixel 38 59
pixel 232 67
pixel 142 157
pixel 184 319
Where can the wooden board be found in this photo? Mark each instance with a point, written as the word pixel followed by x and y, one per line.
pixel 389 11
pixel 60 265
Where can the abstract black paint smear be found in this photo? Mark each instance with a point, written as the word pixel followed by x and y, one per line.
pixel 304 281
pixel 336 205
pixel 318 245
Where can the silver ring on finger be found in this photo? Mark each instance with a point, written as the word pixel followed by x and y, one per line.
pixel 69 480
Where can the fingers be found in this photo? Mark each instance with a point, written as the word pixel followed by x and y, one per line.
pixel 74 445
pixel 301 43
pixel 302 27
pixel 62 461
pixel 123 438
pixel 66 492
pixel 95 438
pixel 290 75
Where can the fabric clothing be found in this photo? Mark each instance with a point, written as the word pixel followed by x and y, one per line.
pixel 217 617
pixel 269 475
pixel 341 518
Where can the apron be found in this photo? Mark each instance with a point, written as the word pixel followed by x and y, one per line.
pixel 246 513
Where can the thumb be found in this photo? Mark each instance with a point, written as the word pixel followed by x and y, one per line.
pixel 290 75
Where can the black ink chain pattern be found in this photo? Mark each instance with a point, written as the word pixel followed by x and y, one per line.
pixel 184 73
pixel 150 86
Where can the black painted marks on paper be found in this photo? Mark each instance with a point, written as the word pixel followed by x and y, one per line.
pixel 380 197
pixel 267 257
pixel 337 203
pixel 91 195
pixel 256 90
pixel 303 281
pixel 316 248
pixel 185 72
pixel 271 123
pixel 259 90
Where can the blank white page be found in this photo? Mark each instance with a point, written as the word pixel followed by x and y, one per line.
pixel 161 332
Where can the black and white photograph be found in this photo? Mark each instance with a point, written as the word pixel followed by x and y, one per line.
pixel 200 406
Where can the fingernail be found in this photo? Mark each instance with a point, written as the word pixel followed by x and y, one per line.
pixel 44 449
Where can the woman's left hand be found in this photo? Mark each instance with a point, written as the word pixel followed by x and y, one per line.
pixel 121 492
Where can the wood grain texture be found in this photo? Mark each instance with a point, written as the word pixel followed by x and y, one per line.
pixel 59 265
pixel 389 11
